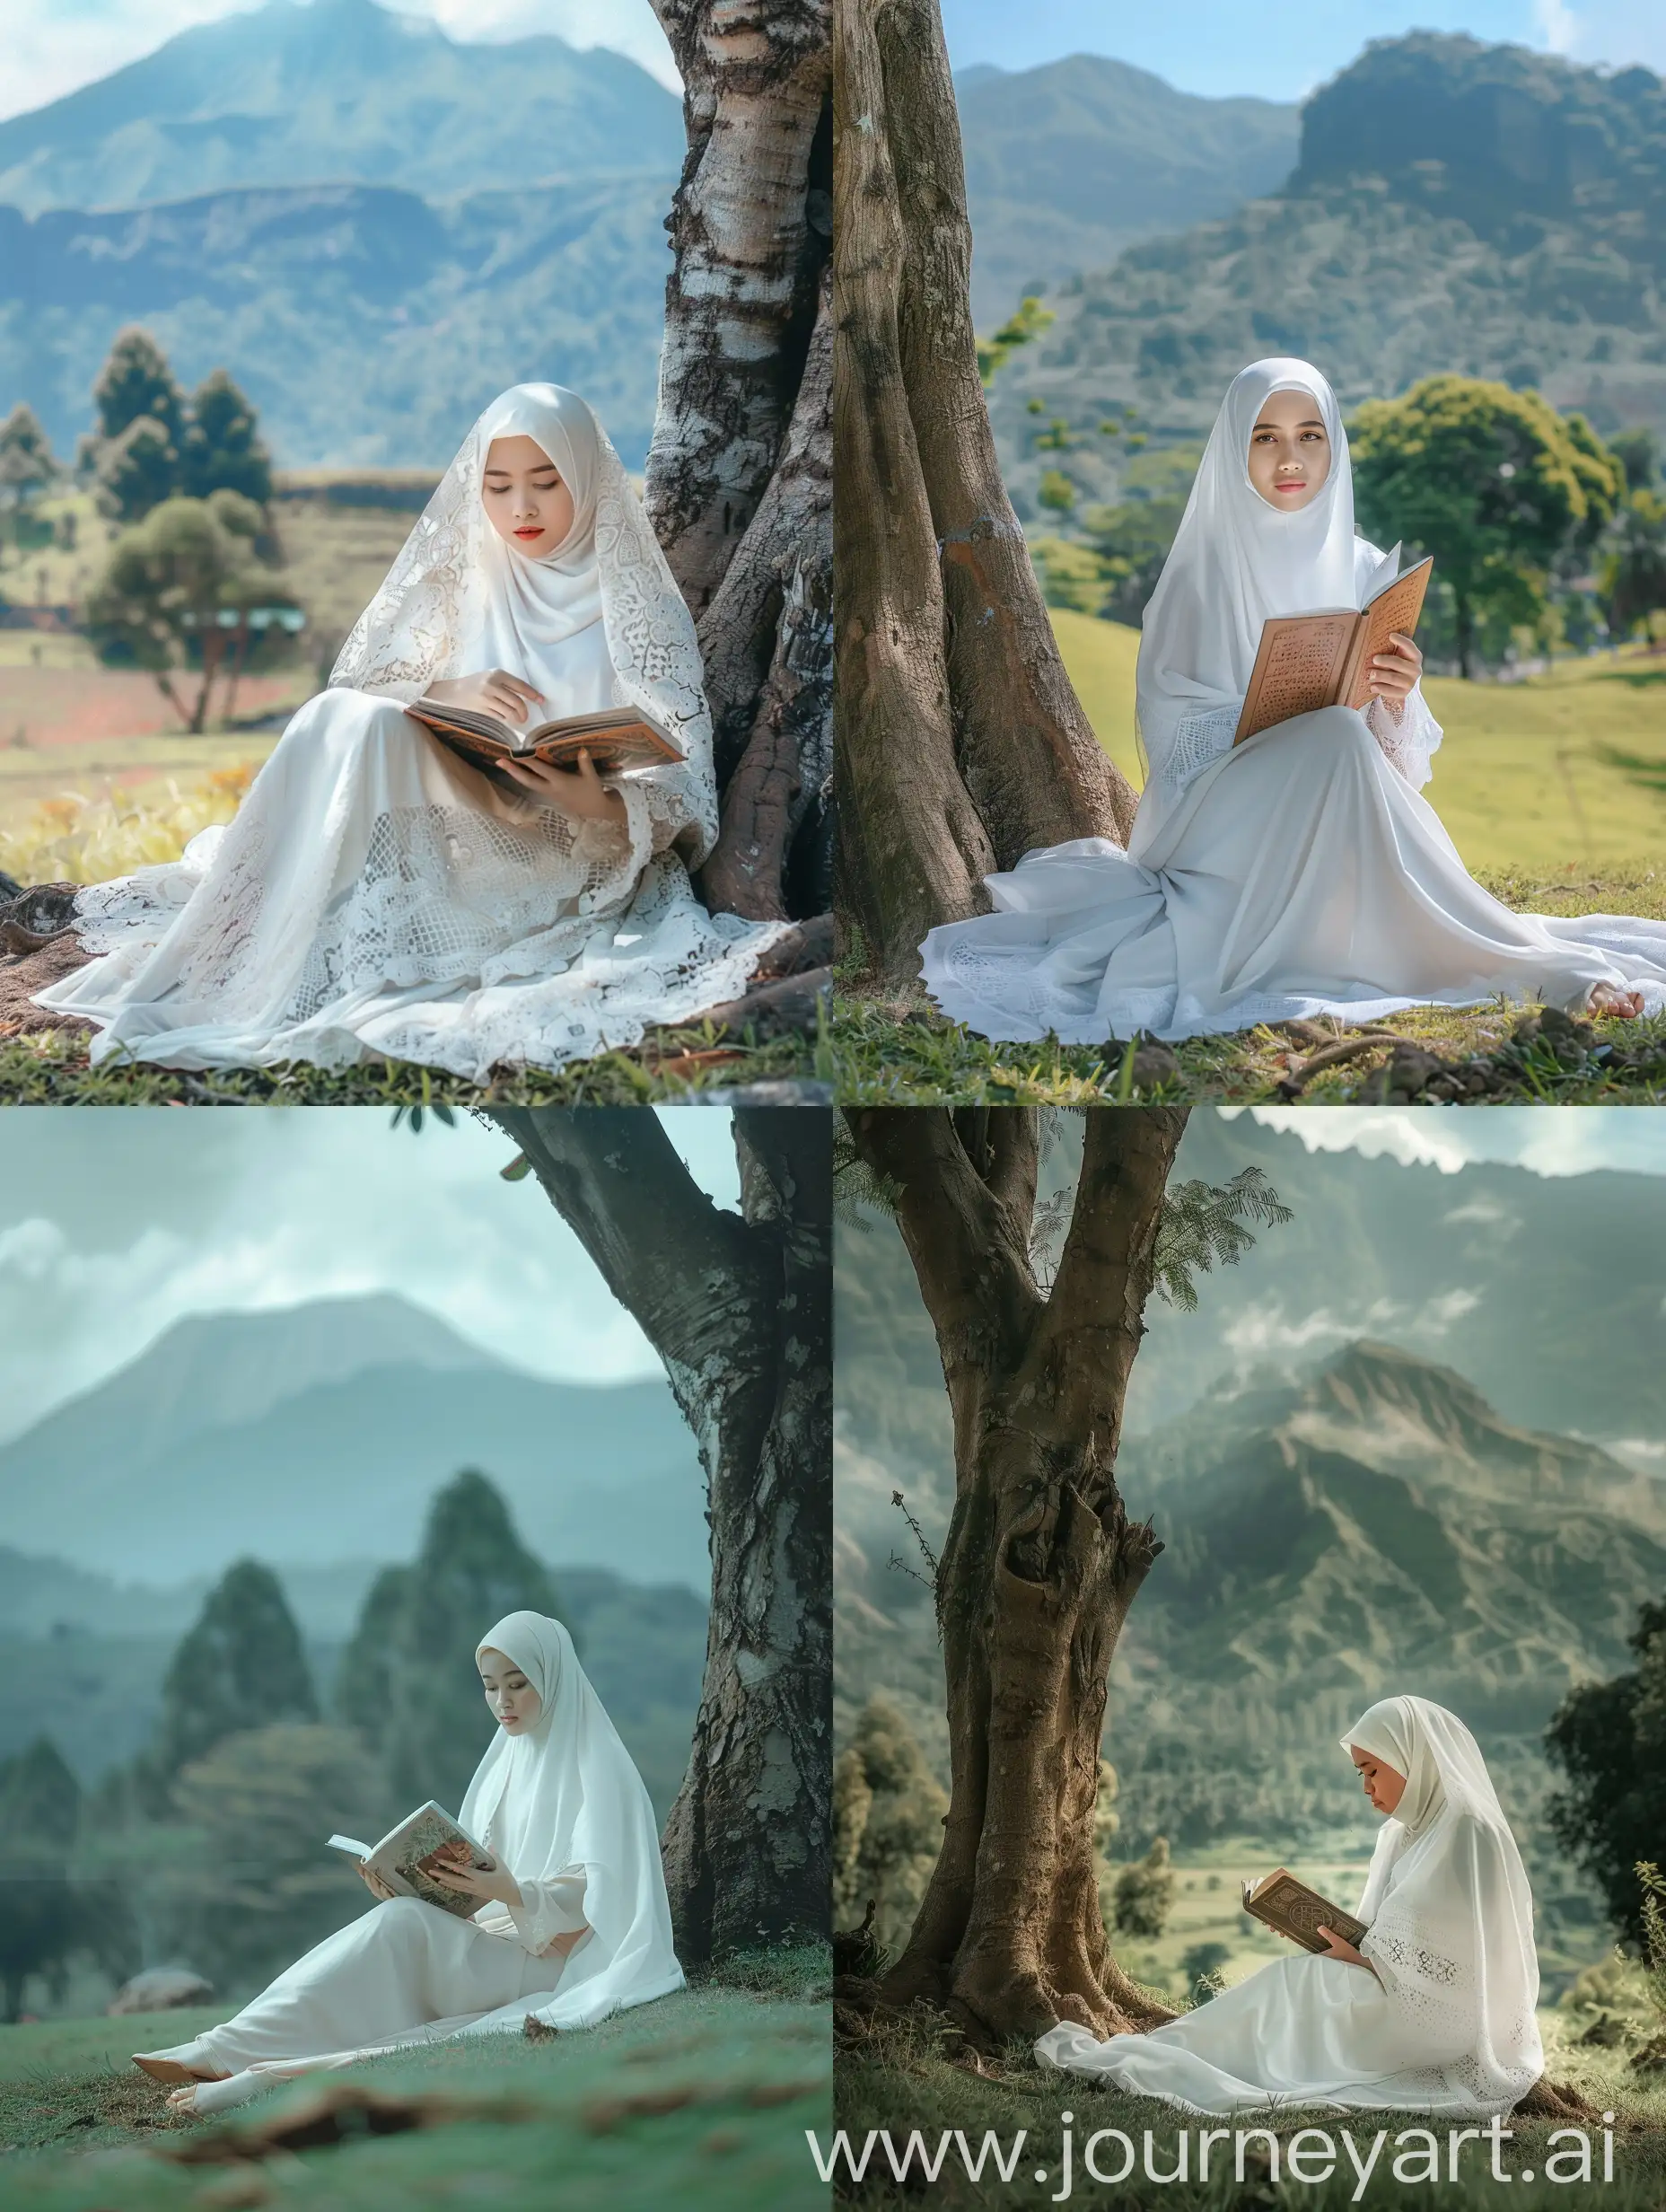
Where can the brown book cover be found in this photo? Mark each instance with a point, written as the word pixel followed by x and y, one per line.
pixel 1307 661
pixel 1289 1908
pixel 615 737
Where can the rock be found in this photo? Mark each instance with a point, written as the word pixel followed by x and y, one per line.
pixel 160 1990
pixel 1154 1062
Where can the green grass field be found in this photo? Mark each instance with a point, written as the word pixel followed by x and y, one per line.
pixel 1554 791
pixel 700 2100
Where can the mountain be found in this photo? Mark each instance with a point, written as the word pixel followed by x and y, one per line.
pixel 1543 1291
pixel 368 325
pixel 1068 164
pixel 373 227
pixel 341 90
pixel 320 1432
pixel 1455 206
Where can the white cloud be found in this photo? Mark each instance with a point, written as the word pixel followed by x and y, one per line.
pixel 54 47
pixel 320 1203
pixel 1569 1140
pixel 1618 32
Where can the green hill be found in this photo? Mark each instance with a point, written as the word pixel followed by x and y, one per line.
pixel 1068 164
pixel 1455 207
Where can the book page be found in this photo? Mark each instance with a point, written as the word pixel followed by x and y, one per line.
pixel 1298 669
pixel 1397 609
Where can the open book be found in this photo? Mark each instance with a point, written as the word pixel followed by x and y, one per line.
pixel 615 737
pixel 1289 1908
pixel 398 1858
pixel 1307 661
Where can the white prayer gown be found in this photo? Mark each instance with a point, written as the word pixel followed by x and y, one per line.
pixel 565 1808
pixel 1298 875
pixel 1444 2024
pixel 375 894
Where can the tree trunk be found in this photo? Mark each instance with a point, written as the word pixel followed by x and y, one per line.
pixel 740 472
pixel 961 741
pixel 1463 618
pixel 739 1307
pixel 1042 1562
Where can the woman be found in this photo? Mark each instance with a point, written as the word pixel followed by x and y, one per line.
pixel 1296 874
pixel 1435 2012
pixel 574 1924
pixel 376 894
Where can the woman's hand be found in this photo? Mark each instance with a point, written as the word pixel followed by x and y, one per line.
pixel 452 1865
pixel 1338 1947
pixel 1393 673
pixel 578 793
pixel 374 1883
pixel 494 692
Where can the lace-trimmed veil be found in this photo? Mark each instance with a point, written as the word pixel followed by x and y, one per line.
pixel 431 604
pixel 1450 1912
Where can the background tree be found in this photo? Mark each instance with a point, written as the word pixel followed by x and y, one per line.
pixel 136 382
pixel 888 1813
pixel 222 448
pixel 1492 482
pixel 961 741
pixel 240 1666
pixel 416 1640
pixel 1042 1562
pixel 26 469
pixel 739 1308
pixel 138 470
pixel 175 590
pixel 257 1889
pixel 739 470
pixel 39 1918
pixel 1634 570
pixel 1610 1741
pixel 1143 1897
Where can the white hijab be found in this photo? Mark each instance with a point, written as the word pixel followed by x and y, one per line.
pixel 566 1795
pixel 1236 560
pixel 599 621
pixel 1449 1911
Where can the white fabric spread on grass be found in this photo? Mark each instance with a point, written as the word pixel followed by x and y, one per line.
pixel 565 1808
pixel 1444 2023
pixel 377 895
pixel 1298 875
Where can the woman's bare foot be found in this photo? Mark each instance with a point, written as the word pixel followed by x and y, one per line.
pixel 170 2070
pixel 1609 1003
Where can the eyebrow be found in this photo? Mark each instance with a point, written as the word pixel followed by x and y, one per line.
pixel 545 468
pixel 1313 423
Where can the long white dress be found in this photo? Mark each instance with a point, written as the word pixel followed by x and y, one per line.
pixel 1444 2023
pixel 1298 875
pixel 564 1809
pixel 375 895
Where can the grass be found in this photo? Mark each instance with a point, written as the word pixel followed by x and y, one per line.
pixel 1554 791
pixel 911 2074
pixel 700 2100
pixel 673 1067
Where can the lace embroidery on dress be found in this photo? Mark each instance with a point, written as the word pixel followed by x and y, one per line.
pixel 1409 741
pixel 1198 738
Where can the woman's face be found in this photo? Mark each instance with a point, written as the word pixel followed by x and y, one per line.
pixel 516 1704
pixel 1289 451
pixel 530 505
pixel 1382 1785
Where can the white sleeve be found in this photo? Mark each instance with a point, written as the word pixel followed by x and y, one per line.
pixel 547 1909
pixel 1409 741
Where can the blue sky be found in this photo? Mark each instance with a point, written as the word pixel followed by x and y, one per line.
pixel 114 1222
pixel 1219 47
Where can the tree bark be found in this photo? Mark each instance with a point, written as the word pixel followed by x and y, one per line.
pixel 1042 1562
pixel 739 1308
pixel 959 741
pixel 739 471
